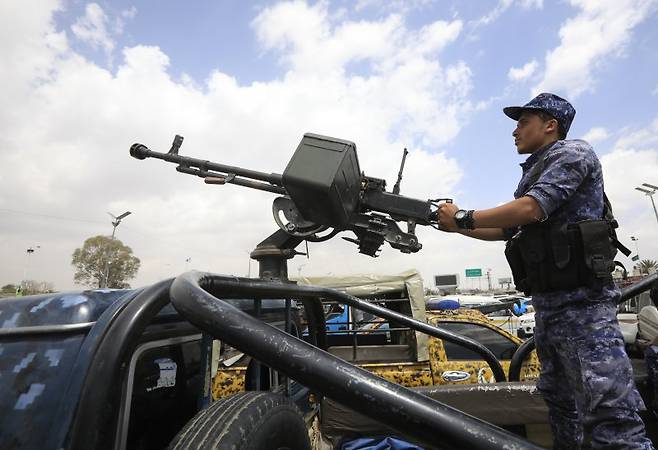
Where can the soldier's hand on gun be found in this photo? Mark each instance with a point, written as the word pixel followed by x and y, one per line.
pixel 446 213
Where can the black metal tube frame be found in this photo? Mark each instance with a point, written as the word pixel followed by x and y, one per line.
pixel 236 287
pixel 529 345
pixel 193 294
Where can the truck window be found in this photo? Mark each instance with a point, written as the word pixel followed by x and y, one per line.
pixel 161 392
pixel 500 345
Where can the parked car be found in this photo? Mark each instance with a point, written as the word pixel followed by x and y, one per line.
pixel 526 325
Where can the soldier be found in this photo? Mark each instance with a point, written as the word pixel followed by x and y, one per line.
pixel 558 232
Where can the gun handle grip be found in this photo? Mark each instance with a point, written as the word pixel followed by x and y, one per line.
pixel 214 180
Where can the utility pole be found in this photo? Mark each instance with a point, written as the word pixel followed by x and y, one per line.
pixel 489 278
pixel 650 189
pixel 115 224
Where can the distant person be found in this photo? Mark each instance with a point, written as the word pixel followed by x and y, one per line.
pixel 651 358
pixel 19 291
pixel 559 248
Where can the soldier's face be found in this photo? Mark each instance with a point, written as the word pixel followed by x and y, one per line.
pixel 531 133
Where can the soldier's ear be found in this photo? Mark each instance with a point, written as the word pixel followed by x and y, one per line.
pixel 551 126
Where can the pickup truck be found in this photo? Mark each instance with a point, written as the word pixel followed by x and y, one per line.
pixel 133 369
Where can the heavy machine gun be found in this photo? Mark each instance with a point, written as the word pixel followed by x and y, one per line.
pixel 322 189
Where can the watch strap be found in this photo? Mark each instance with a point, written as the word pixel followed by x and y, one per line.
pixel 466 222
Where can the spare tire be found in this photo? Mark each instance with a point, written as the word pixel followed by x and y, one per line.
pixel 246 421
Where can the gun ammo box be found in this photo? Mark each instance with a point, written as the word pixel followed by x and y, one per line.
pixel 324 180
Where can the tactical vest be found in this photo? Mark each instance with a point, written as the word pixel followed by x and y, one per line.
pixel 547 256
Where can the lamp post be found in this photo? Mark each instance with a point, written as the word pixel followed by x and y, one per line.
pixel 115 224
pixel 29 251
pixel 637 252
pixel 649 189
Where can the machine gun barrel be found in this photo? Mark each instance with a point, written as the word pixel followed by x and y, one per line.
pixel 209 170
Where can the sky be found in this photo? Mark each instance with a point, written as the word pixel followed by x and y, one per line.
pixel 243 81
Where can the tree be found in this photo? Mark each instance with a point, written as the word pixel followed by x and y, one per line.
pixel 8 289
pixel 31 287
pixel 101 256
pixel 647 266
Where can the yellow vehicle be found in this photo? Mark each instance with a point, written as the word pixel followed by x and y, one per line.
pixel 455 361
pixel 395 353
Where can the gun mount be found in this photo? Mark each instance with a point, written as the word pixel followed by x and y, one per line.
pixel 322 189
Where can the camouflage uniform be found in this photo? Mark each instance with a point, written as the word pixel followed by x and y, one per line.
pixel 586 378
pixel 651 358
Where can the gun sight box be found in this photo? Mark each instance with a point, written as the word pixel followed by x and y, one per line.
pixel 323 179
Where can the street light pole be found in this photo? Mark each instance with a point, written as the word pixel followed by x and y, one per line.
pixel 637 252
pixel 115 224
pixel 650 189
pixel 29 252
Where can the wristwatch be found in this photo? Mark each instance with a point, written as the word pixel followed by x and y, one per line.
pixel 464 219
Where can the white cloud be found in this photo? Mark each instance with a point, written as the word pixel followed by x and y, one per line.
pixel 81 118
pixel 523 73
pixel 528 4
pixel 640 138
pixel 596 134
pixel 633 161
pixel 501 7
pixel 302 32
pixel 120 19
pixel 601 30
pixel 92 28
pixel 494 14
pixel 403 6
pixel 129 13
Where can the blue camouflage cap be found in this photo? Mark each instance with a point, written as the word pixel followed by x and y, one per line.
pixel 551 104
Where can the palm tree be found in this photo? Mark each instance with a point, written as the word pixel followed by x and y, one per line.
pixel 647 265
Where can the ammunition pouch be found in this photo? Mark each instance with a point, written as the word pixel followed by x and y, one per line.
pixel 545 258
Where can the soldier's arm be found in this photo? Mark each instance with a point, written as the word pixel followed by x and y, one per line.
pixel 521 211
pixel 485 234
pixel 490 223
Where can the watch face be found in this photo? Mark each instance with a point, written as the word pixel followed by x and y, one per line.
pixel 460 214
